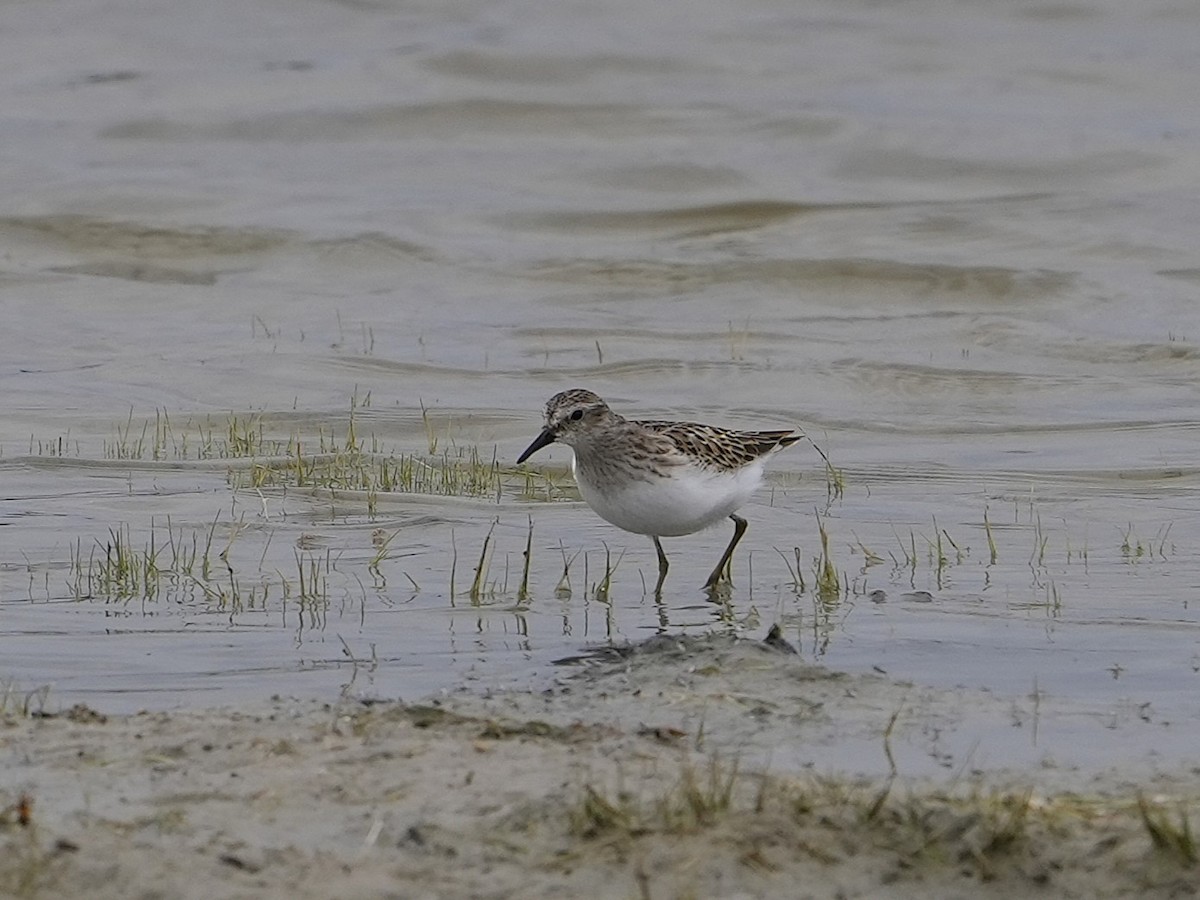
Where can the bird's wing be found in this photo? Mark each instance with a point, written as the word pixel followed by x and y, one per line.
pixel 720 448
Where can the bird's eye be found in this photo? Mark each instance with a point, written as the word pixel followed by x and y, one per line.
pixel 577 415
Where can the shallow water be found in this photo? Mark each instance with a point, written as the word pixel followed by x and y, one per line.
pixel 958 248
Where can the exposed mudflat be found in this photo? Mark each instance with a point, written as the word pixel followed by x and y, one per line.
pixel 692 767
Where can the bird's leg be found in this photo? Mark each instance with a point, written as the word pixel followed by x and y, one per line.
pixel 663 565
pixel 721 572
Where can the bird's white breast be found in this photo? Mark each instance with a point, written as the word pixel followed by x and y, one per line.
pixel 688 499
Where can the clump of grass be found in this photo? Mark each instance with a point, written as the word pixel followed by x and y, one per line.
pixel 835 478
pixel 870 557
pixel 1040 541
pixel 695 801
pixel 312 581
pixel 602 588
pixel 15 701
pixel 171 566
pixel 1131 549
pixel 986 834
pixel 795 572
pixel 430 435
pixel 309 593
pixel 1173 838
pixel 237 436
pixel 1161 537
pixel 244 436
pixel 829 585
pixel 127 444
pixel 484 588
pixel 828 582
pixel 117 570
pixel 479 582
pixel 59 446
pixel 325 460
pixel 380 540
pixel 350 466
pixel 700 799
pixel 597 814
pixel 563 589
pixel 1135 549
pixel 27 868
pixel 909 554
pixel 198 566
pixel 523 590
pixel 939 558
pixel 545 485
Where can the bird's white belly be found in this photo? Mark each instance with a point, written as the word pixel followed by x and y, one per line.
pixel 688 500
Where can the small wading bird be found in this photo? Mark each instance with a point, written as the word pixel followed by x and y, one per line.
pixel 663 479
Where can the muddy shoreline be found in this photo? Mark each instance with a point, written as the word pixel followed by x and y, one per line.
pixel 669 769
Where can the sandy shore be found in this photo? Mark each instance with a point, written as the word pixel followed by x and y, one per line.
pixel 680 768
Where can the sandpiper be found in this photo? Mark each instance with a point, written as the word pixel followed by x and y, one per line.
pixel 662 479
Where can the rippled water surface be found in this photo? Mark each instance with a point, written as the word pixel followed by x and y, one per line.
pixel 957 244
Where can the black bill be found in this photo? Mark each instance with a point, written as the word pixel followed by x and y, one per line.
pixel 546 437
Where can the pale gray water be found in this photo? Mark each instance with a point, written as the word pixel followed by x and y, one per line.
pixel 956 242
